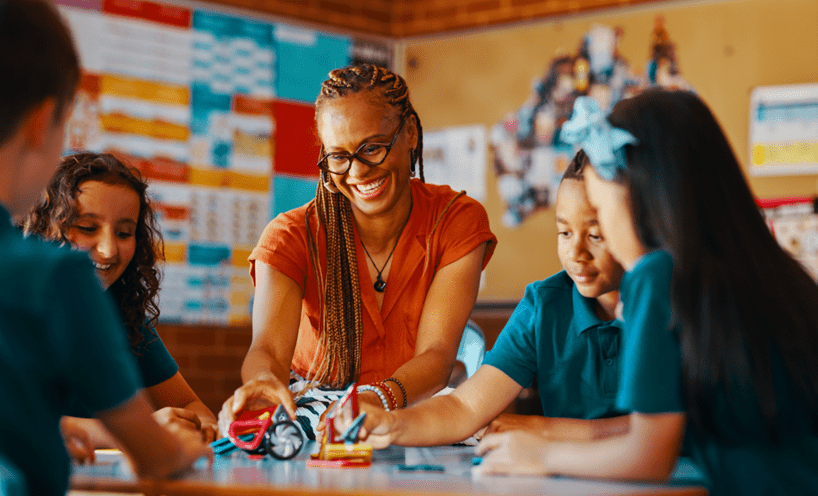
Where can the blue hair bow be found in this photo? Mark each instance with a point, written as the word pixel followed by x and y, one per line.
pixel 602 142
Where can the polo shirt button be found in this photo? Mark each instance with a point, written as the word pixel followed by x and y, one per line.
pixel 609 361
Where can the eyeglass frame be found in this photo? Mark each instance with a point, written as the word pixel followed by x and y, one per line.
pixel 354 156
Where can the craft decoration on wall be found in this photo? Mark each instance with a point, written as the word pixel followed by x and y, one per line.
pixel 528 155
pixel 794 223
pixel 216 111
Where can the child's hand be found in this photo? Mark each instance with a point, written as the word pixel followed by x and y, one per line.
pixel 506 422
pixel 173 419
pixel 192 448
pixel 77 440
pixel 513 453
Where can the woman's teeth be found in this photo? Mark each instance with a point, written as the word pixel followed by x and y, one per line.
pixel 102 266
pixel 370 187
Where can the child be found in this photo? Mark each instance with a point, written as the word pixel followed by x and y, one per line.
pixel 738 372
pixel 563 332
pixel 98 205
pixel 60 337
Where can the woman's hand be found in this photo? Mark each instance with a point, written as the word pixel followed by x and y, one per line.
pixel 513 453
pixel 254 395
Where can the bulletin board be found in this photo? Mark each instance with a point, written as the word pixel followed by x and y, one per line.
pixel 724 50
pixel 216 110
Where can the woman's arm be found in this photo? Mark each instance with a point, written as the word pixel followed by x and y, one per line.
pixel 648 451
pixel 266 368
pixel 446 310
pixel 176 402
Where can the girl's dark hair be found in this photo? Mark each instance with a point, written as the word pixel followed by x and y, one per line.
pixel 576 169
pixel 341 328
pixel 745 310
pixel 137 289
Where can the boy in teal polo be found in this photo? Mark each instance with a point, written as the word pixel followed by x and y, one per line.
pixel 60 336
pixel 563 333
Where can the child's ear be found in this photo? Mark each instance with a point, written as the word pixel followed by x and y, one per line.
pixel 39 122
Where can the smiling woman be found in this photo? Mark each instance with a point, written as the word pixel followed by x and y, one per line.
pixel 373 280
pixel 98 205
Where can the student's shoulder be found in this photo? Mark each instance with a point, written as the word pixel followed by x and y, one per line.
pixel 556 288
pixel 34 265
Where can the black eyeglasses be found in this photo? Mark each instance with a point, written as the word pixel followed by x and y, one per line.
pixel 371 154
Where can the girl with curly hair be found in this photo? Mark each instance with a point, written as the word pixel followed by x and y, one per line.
pixel 97 204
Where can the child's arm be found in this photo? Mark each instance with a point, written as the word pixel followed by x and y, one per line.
pixel 443 419
pixel 560 429
pixel 153 450
pixel 648 451
pixel 176 402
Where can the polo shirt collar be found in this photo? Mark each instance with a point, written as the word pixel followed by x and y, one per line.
pixel 584 314
pixel 5 220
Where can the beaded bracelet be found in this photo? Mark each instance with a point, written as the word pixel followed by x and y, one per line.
pixel 402 389
pixel 368 387
pixel 389 393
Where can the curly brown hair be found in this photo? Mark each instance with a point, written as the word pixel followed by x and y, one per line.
pixel 136 291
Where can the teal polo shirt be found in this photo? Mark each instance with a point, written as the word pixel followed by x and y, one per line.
pixel 154 365
pixel 651 383
pixel 554 335
pixel 60 339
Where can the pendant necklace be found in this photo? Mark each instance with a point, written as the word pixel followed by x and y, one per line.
pixel 380 284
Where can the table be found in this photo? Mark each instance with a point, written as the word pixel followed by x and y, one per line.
pixel 236 474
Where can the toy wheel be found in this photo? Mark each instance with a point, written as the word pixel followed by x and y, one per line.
pixel 283 440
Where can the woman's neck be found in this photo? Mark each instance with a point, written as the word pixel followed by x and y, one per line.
pixel 380 233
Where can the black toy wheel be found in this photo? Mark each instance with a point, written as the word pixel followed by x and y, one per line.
pixel 283 440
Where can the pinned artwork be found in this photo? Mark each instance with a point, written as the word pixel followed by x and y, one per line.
pixel 529 156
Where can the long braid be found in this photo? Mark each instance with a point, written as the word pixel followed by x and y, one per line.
pixel 341 331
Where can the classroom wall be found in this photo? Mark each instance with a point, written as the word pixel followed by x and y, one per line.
pixel 724 49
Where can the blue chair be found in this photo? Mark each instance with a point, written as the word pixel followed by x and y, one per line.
pixel 472 348
pixel 12 480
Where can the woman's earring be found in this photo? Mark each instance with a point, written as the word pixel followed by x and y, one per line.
pixel 412 163
pixel 328 184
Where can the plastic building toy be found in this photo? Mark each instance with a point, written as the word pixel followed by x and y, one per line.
pixel 343 451
pixel 266 431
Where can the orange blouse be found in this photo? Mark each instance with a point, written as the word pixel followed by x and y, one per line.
pixel 389 335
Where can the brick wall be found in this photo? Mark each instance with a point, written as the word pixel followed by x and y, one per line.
pixel 405 18
pixel 210 357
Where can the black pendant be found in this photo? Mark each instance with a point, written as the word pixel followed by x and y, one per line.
pixel 380 285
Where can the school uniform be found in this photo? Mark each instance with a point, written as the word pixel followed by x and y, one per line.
pixel 154 364
pixel 651 383
pixel 60 338
pixel 555 335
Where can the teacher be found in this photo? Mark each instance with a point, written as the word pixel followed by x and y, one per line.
pixel 374 279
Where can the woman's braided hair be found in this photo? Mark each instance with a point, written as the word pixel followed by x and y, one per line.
pixel 340 293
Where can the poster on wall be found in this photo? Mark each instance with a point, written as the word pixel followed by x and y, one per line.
pixel 456 156
pixel 794 223
pixel 196 101
pixel 529 157
pixel 784 130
